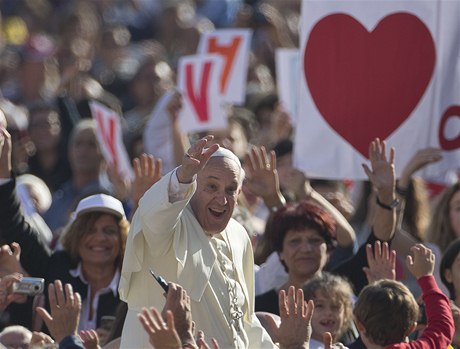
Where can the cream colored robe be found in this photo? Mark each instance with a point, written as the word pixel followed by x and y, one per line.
pixel 166 238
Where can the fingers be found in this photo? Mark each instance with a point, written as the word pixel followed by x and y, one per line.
pixel 282 304
pixel 327 340
pixel 16 249
pixel 60 298
pixel 309 309
pixel 44 315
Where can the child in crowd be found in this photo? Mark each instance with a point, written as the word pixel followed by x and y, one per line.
pixel 386 311
pixel 333 299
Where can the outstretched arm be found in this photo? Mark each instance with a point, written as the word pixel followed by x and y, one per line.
pixel 382 176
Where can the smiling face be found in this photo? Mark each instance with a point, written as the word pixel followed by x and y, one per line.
pixel 304 253
pixel 216 194
pixel 101 244
pixel 328 316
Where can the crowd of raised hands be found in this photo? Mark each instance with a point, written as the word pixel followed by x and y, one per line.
pixel 173 326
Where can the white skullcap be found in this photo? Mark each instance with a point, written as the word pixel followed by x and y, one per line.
pixel 225 153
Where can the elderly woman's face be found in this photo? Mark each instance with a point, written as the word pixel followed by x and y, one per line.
pixel 304 253
pixel 101 244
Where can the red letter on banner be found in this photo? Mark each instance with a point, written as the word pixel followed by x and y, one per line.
pixel 453 111
pixel 229 53
pixel 108 137
pixel 200 101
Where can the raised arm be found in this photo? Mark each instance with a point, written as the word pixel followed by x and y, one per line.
pixel 35 252
pixel 440 324
pixel 403 240
pixel 382 176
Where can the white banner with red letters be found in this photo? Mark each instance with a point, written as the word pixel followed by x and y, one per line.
pixel 109 135
pixel 198 82
pixel 233 45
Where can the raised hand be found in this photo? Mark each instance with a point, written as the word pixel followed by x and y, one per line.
pixel 147 171
pixel 420 159
pixel 381 261
pixel 178 303
pixel 65 311
pixel 90 339
pixel 161 335
pixel 382 174
pixel 195 159
pixel 295 328
pixel 422 261
pixel 262 176
pixel 121 186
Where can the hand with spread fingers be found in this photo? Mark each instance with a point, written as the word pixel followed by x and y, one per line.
pixel 381 261
pixel 382 174
pixel 262 177
pixel 195 159
pixel 161 334
pixel 295 329
pixel 65 311
pixel 147 171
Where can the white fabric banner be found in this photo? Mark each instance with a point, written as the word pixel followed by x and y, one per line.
pixel 110 139
pixel 287 79
pixel 198 81
pixel 233 45
pixel 374 68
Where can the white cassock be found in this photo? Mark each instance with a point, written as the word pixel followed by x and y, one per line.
pixel 217 272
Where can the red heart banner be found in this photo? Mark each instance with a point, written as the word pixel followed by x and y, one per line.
pixel 366 84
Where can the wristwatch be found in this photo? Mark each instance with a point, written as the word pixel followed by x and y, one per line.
pixel 391 206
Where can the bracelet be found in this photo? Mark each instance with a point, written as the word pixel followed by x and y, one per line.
pixel 390 207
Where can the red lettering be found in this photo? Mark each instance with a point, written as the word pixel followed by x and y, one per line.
pixel 108 135
pixel 449 144
pixel 229 53
pixel 200 101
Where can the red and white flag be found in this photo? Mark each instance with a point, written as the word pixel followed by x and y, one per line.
pixel 375 68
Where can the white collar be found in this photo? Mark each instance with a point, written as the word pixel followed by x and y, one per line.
pixel 112 286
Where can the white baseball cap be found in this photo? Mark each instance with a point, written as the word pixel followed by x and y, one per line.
pixel 100 203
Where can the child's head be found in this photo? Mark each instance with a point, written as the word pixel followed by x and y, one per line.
pixel 333 298
pixel 386 312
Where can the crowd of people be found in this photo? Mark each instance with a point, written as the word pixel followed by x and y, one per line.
pixel 248 251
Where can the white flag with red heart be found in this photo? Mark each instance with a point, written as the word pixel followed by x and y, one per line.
pixel 373 68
